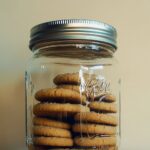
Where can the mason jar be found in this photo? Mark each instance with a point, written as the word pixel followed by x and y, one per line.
pixel 72 87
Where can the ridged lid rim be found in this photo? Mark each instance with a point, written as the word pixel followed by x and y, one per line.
pixel 73 29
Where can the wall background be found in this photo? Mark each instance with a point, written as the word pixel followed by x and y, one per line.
pixel 132 20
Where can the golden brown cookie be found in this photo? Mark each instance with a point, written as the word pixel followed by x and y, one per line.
pixel 71 87
pixel 103 107
pixel 51 131
pixel 105 148
pixel 61 116
pixel 51 123
pixel 93 117
pixel 100 148
pixel 106 98
pixel 67 78
pixel 47 109
pixel 96 141
pixel 112 148
pixel 94 129
pixel 53 141
pixel 33 147
pixel 60 95
pixel 40 148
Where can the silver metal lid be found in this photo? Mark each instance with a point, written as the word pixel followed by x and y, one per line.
pixel 71 29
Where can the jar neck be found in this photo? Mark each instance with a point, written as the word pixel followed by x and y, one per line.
pixel 81 49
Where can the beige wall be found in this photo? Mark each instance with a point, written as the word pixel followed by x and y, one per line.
pixel 130 17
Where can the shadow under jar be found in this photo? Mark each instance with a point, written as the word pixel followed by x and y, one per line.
pixel 72 87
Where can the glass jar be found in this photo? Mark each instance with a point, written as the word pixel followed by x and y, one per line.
pixel 72 87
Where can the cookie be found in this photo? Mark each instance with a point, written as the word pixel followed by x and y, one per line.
pixel 47 109
pixel 71 87
pixel 67 78
pixel 60 95
pixel 96 141
pixel 112 148
pixel 51 131
pixel 94 129
pixel 53 141
pixel 106 148
pixel 33 147
pixel 103 107
pixel 106 98
pixel 93 117
pixel 51 148
pixel 51 123
pixel 61 116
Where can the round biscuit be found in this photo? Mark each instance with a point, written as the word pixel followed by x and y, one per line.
pixel 71 87
pixel 51 148
pixel 103 107
pixel 96 141
pixel 61 116
pixel 94 129
pixel 51 123
pixel 93 117
pixel 64 110
pixel 33 147
pixel 53 141
pixel 106 98
pixel 60 95
pixel 51 132
pixel 67 78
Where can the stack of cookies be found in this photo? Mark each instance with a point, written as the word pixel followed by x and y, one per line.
pixel 96 128
pixel 48 132
pixel 56 105
pixel 66 117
